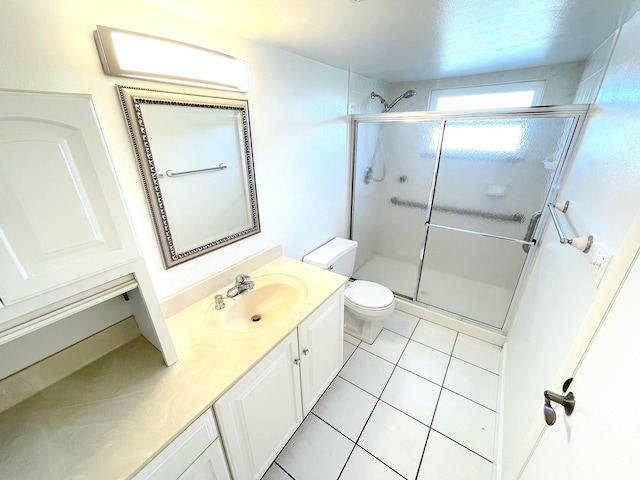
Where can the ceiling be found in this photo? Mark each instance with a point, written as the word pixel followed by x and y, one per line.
pixel 409 40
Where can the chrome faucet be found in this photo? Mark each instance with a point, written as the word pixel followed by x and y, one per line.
pixel 242 285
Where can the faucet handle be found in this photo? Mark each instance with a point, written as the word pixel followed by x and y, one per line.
pixel 242 277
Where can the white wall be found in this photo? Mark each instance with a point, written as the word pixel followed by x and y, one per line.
pixel 297 111
pixel 603 185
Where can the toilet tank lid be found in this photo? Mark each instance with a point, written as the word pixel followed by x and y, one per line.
pixel 326 255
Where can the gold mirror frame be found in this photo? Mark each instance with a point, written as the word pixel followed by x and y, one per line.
pixel 133 102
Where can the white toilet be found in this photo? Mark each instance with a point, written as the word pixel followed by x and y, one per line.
pixel 366 304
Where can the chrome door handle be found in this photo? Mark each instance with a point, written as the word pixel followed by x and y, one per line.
pixel 567 401
pixel 305 351
pixel 296 361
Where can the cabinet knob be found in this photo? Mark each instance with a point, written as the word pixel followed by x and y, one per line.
pixel 305 351
pixel 297 361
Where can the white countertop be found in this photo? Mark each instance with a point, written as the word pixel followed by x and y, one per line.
pixel 110 418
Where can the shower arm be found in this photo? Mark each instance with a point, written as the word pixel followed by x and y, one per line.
pixel 382 101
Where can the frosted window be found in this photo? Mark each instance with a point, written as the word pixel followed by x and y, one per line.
pixel 511 95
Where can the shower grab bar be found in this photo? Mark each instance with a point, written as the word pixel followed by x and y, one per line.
pixel 501 217
pixel 171 173
pixel 581 243
pixel 482 234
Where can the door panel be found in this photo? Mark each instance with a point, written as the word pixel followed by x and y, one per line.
pixel 469 274
pixel 320 342
pixel 261 411
pixel 392 179
pixel 494 174
pixel 493 178
pixel 600 439
pixel 56 223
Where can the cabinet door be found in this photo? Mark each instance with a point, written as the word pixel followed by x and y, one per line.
pixel 258 415
pixel 320 342
pixel 211 465
pixel 62 217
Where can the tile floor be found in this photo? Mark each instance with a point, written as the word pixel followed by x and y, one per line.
pixel 420 403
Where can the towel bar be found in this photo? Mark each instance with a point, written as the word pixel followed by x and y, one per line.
pixel 171 173
pixel 581 243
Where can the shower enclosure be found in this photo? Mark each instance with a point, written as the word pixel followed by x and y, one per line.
pixel 446 207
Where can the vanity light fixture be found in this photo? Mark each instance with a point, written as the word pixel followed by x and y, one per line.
pixel 136 55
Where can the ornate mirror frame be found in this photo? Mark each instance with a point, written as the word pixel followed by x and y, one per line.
pixel 141 131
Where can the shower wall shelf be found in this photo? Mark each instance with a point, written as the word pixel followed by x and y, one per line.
pixel 581 243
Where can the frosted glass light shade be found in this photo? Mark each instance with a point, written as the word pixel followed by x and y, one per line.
pixel 136 55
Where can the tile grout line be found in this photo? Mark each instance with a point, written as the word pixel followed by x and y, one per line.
pixel 463 446
pixel 373 409
pixel 470 399
pixel 424 449
pixel 281 468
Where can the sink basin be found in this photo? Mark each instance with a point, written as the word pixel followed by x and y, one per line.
pixel 273 298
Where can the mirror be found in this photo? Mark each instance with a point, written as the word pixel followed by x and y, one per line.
pixel 194 155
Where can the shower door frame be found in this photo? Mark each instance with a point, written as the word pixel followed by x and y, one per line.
pixel 579 111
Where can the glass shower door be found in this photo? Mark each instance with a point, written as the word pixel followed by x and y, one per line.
pixel 493 177
pixel 392 180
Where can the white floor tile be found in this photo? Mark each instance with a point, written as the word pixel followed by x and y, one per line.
pixel 473 382
pixel 345 407
pixel 478 352
pixel 446 460
pixel 412 394
pixel 435 336
pixel 424 361
pixel 395 438
pixel 367 371
pixel 351 339
pixel 362 466
pixel 388 345
pixel 275 473
pixel 316 451
pixel 401 323
pixel 466 422
pixel 347 351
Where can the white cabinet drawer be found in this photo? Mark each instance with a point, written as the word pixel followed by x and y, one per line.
pixel 182 452
pixel 211 465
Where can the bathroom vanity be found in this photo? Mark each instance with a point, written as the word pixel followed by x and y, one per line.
pixel 126 412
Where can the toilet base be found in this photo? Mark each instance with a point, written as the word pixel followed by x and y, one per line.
pixel 365 330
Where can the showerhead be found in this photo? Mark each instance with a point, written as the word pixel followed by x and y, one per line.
pixel 407 94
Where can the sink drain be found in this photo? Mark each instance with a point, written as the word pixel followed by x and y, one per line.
pixel 256 318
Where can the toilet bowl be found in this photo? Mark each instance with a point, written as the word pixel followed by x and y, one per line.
pixel 366 304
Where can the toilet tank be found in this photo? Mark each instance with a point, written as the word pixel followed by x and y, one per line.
pixel 338 255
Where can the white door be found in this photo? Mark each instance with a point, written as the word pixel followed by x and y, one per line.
pixel 61 214
pixel 259 414
pixel 320 342
pixel 601 438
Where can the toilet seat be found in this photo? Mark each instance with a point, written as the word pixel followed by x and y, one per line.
pixel 368 296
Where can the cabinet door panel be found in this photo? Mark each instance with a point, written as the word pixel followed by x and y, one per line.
pixel 320 340
pixel 258 415
pixel 211 465
pixel 61 216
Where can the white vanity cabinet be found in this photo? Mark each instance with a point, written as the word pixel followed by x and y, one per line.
pixel 195 454
pixel 259 414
